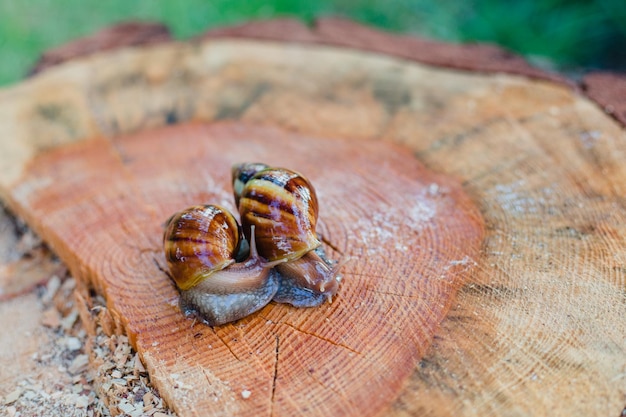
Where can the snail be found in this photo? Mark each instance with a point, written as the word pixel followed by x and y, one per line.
pixel 201 244
pixel 220 278
pixel 280 208
pixel 242 173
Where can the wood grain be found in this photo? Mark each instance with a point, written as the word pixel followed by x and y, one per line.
pixel 407 234
pixel 538 328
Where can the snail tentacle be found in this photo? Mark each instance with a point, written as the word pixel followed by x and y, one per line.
pixel 200 245
pixel 223 277
pixel 283 206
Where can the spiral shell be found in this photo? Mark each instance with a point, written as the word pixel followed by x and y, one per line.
pixel 282 205
pixel 220 280
pixel 199 241
pixel 241 174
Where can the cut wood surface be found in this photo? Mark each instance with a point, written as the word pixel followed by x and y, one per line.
pixel 537 327
pixel 406 232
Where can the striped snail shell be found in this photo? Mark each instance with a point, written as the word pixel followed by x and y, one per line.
pixel 200 244
pixel 199 241
pixel 281 205
pixel 242 173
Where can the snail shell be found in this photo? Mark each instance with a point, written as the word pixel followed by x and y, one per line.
pixel 242 173
pixel 282 207
pixel 199 241
pixel 200 244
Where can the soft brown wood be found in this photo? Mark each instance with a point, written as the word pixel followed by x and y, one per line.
pixel 609 91
pixel 538 329
pixel 117 36
pixel 406 232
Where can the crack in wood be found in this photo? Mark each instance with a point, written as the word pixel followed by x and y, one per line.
pixel 235 111
pixel 226 344
pixel 332 342
pixel 368 275
pixel 275 375
pixel 162 268
pixel 250 349
pixel 330 244
pixel 410 297
pixel 206 376
pixel 455 141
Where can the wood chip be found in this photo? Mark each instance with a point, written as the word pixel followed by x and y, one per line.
pixel 116 384
pixel 73 343
pixel 51 318
pixel 119 381
pixel 126 407
pixel 68 322
pixel 51 289
pixel 12 396
pixel 148 399
pixel 139 368
pixel 82 401
pixel 79 364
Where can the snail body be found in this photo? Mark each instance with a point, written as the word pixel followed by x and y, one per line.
pixel 282 207
pixel 225 271
pixel 201 244
pixel 308 281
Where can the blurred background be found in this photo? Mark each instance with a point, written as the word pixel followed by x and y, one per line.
pixel 570 36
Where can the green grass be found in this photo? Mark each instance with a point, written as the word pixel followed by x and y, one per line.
pixel 566 33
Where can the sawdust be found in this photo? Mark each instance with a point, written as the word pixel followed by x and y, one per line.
pixel 25 261
pixel 79 372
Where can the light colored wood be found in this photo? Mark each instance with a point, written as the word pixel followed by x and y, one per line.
pixel 24 259
pixel 20 341
pixel 538 328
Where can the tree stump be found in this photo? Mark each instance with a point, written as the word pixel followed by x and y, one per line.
pixel 410 162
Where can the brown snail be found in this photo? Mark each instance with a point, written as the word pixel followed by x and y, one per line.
pixel 242 173
pixel 201 243
pixel 281 207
